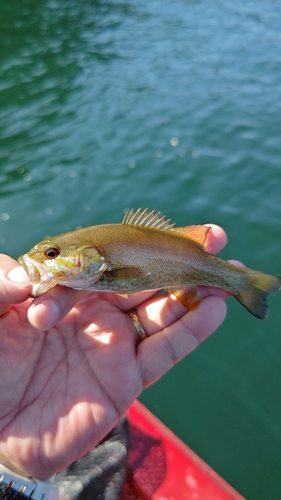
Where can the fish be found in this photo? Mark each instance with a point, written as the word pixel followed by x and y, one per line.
pixel 146 252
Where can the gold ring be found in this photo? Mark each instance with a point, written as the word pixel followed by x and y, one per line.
pixel 137 324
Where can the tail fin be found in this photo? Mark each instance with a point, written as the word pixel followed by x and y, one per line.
pixel 258 287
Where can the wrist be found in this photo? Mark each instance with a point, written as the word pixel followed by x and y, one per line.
pixel 13 484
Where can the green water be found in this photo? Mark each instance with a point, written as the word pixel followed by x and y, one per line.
pixel 174 105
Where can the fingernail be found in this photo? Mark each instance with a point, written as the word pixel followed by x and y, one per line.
pixel 19 276
pixel 44 315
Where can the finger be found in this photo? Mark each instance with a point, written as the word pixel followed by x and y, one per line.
pixel 161 312
pixel 125 302
pixel 236 263
pixel 14 283
pixel 158 353
pixel 48 309
pixel 216 239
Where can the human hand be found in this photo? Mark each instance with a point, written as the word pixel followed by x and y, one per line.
pixel 71 362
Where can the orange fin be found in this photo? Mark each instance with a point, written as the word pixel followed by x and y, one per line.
pixel 189 297
pixel 195 233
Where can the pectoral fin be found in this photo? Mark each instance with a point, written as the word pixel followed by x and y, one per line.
pixel 189 297
pixel 126 274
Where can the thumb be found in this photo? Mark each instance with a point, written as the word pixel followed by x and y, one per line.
pixel 15 286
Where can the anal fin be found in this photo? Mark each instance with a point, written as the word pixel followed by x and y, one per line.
pixel 189 297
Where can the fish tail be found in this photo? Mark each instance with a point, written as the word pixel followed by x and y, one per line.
pixel 254 294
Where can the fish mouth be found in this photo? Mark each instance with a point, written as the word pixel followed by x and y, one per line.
pixel 38 275
pixel 31 270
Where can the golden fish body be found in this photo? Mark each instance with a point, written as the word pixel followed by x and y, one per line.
pixel 145 252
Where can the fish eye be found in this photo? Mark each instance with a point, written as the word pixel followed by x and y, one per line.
pixel 52 253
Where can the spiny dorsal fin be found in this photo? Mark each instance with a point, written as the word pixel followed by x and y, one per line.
pixel 146 218
pixel 194 233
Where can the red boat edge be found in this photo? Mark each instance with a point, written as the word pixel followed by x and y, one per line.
pixel 162 467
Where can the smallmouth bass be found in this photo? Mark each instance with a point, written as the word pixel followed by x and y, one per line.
pixel 144 252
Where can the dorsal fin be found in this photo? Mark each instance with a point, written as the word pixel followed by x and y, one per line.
pixel 146 218
pixel 195 233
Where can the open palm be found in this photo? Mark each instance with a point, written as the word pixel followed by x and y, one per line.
pixel 64 387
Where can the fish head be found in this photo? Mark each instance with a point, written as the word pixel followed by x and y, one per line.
pixel 49 263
